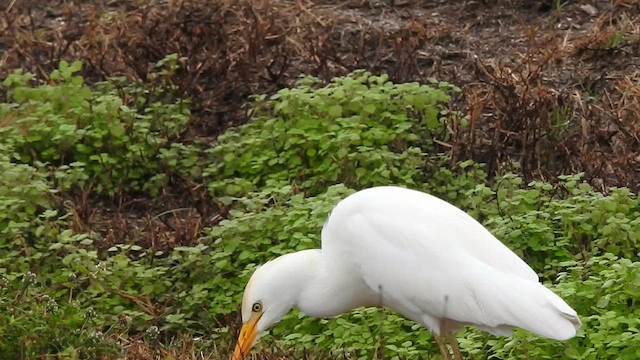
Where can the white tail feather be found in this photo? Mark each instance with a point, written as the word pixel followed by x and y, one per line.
pixel 545 313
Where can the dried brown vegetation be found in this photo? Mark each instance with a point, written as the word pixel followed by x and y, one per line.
pixel 556 90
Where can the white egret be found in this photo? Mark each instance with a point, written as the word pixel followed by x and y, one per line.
pixel 414 253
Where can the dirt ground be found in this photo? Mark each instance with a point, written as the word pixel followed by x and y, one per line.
pixel 554 86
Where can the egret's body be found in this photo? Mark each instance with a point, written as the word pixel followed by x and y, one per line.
pixel 414 253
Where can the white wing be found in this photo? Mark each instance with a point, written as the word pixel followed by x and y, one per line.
pixel 432 262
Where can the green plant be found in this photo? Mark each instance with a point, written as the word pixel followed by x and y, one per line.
pixel 558 5
pixel 34 324
pixel 615 40
pixel 360 130
pixel 24 192
pixel 275 180
pixel 115 138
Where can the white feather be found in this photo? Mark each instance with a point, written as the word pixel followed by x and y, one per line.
pixel 435 264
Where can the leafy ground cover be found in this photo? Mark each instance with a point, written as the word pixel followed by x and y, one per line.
pixel 132 214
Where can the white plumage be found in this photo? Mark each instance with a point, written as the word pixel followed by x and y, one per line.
pixel 414 253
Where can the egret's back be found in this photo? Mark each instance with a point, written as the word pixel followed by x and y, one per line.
pixel 420 222
pixel 432 262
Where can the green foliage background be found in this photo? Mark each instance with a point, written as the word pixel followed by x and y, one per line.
pixel 277 177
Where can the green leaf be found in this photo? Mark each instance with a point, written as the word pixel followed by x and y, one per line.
pixel 335 111
pixel 117 130
pixel 370 108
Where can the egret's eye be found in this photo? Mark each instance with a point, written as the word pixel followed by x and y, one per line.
pixel 257 307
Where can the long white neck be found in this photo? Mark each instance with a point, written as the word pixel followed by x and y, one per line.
pixel 324 288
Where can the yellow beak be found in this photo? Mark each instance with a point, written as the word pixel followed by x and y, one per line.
pixel 246 339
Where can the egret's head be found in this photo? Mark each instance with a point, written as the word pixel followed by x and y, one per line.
pixel 271 293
